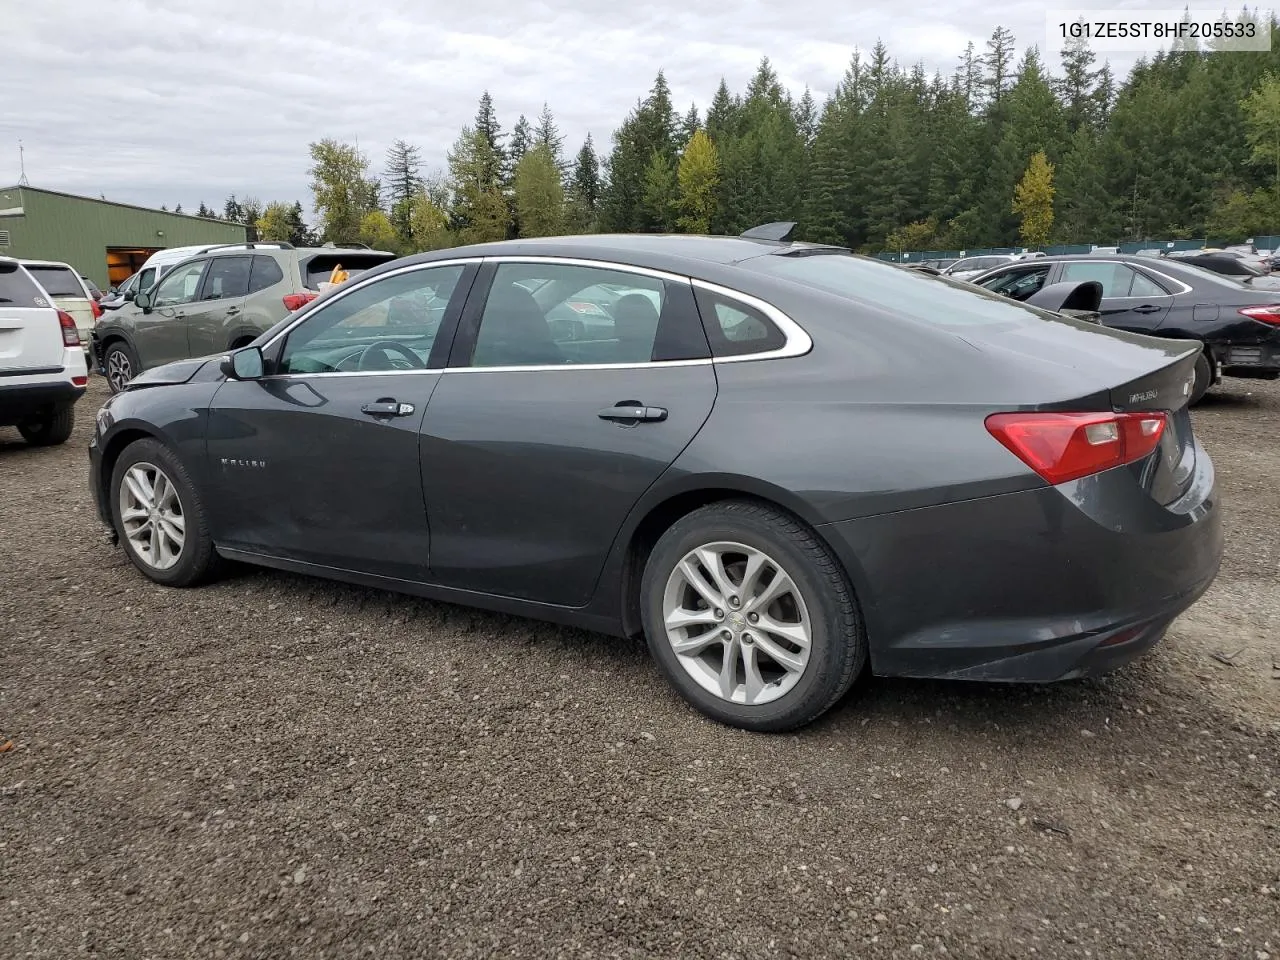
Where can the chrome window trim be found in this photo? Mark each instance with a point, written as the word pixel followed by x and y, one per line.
pixel 1183 288
pixel 797 340
pixel 361 284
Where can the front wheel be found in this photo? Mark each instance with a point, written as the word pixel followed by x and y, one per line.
pixel 750 617
pixel 160 517
pixel 1203 379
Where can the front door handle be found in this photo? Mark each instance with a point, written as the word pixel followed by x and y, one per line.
pixel 387 408
pixel 1147 308
pixel 631 412
pixel 231 311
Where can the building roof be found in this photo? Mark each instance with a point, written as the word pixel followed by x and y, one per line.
pixel 113 203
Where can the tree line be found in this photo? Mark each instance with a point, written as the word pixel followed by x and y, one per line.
pixel 1000 152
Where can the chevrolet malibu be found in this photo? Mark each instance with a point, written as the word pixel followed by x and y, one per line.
pixel 780 462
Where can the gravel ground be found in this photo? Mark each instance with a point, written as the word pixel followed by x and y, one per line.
pixel 281 767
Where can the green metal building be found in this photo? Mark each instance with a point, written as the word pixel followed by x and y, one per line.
pixel 106 241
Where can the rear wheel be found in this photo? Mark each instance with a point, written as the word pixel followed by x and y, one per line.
pixel 160 517
pixel 750 617
pixel 1204 378
pixel 120 364
pixel 52 430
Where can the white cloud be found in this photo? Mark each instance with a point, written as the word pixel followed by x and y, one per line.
pixel 161 101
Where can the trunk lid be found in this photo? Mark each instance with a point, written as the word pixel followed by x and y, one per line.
pixel 30 335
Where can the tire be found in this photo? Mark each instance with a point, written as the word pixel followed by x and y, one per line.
pixel 51 431
pixel 1204 379
pixel 790 698
pixel 120 363
pixel 195 561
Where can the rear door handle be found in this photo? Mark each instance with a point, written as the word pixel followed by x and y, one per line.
pixel 387 408
pixel 1147 308
pixel 633 412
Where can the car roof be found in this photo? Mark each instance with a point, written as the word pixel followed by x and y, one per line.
pixel 676 252
pixel 47 263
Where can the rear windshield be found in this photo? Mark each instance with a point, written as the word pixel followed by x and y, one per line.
pixel 317 269
pixel 58 281
pixel 912 294
pixel 17 290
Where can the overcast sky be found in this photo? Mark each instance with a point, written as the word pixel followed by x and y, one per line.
pixel 165 101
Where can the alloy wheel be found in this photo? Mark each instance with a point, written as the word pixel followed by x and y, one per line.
pixel 152 516
pixel 119 369
pixel 737 623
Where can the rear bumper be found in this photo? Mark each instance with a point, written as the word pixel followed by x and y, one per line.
pixel 1034 587
pixel 1251 361
pixel 20 402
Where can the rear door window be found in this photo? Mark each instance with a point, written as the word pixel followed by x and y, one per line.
pixel 57 281
pixel 227 278
pixel 266 273
pixel 17 289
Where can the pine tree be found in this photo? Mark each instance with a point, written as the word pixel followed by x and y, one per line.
pixel 403 183
pixel 521 139
pixel 480 212
pixel 698 176
pixel 722 115
pixel 1078 86
pixel 547 134
pixel 1033 201
pixel 539 195
pixel 232 210
pixel 690 124
pixel 204 211
pixel 584 190
pixel 487 127
pixel 660 201
pixel 177 207
pixel 998 61
pixel 807 118
pixel 649 129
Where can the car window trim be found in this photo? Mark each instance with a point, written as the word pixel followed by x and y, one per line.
pixel 204 280
pixel 447 330
pixel 195 298
pixel 797 341
pixel 1136 269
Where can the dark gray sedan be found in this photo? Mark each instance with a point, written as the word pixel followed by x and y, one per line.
pixel 780 462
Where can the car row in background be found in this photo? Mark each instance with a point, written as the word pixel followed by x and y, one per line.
pixel 218 299
pixel 1238 324
pixel 42 361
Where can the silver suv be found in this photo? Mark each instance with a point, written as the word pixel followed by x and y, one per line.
pixel 219 299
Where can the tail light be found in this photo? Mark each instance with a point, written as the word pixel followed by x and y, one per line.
pixel 80 381
pixel 296 301
pixel 1269 314
pixel 1067 446
pixel 96 308
pixel 70 335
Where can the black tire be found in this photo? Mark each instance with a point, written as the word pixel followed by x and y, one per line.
pixel 123 355
pixel 197 561
pixel 838 649
pixel 52 430
pixel 1203 380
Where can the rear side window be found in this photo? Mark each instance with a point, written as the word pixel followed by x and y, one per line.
pixel 734 328
pixel 905 293
pixel 17 290
pixel 228 277
pixel 319 268
pixel 266 273
pixel 58 281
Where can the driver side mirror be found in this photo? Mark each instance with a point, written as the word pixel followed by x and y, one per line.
pixel 143 300
pixel 130 294
pixel 243 364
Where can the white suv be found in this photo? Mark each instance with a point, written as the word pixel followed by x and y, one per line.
pixel 42 366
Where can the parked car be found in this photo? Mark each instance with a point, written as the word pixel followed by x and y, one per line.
pixel 68 292
pixel 970 267
pixel 1238 326
pixel 219 300
pixel 819 461
pixel 42 364
pixel 117 297
pixel 93 289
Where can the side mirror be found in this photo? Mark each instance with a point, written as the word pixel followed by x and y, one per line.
pixel 130 294
pixel 143 300
pixel 243 364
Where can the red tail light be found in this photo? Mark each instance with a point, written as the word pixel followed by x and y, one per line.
pixel 1067 446
pixel 70 335
pixel 80 381
pixel 1269 314
pixel 97 309
pixel 296 301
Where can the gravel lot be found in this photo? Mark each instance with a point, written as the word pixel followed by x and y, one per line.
pixel 281 767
